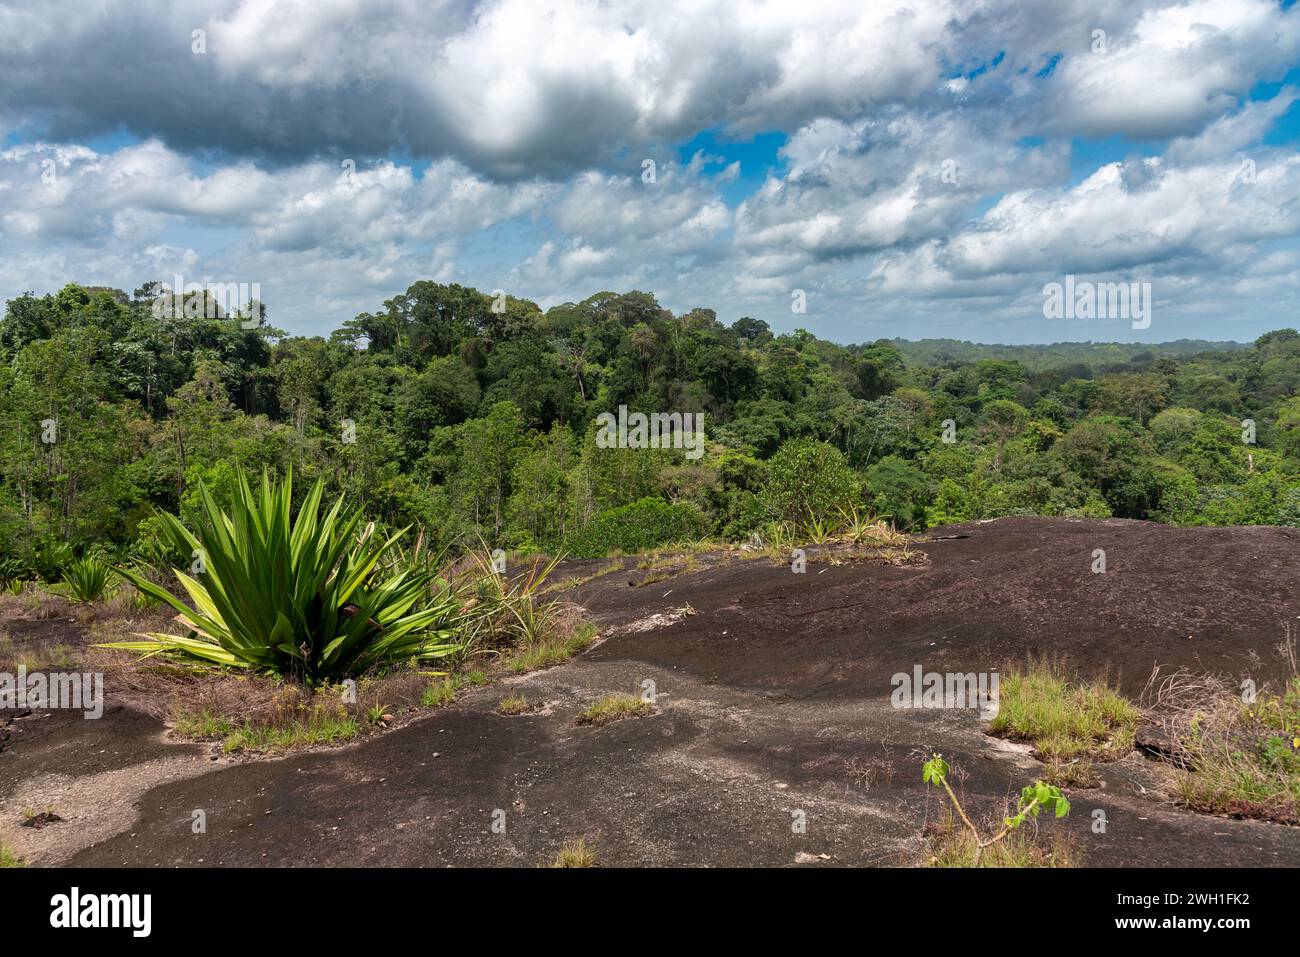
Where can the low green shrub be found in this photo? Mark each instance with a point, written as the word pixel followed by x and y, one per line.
pixel 637 527
pixel 807 479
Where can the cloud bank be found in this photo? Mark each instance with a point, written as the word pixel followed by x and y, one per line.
pixel 936 162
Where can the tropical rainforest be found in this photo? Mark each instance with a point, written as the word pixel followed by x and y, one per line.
pixel 473 419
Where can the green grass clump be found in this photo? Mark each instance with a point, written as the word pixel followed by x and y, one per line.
pixel 514 704
pixel 307 726
pixel 570 583
pixel 552 651
pixel 615 707
pixel 204 724
pixel 318 727
pixel 8 858
pixel 1064 719
pixel 662 569
pixel 438 693
pixel 1072 774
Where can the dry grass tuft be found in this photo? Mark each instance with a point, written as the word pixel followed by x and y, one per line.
pixel 575 853
pixel 1227 754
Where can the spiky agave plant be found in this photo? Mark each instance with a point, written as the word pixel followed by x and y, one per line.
pixel 295 596
pixel 818 529
pixel 86 579
pixel 863 528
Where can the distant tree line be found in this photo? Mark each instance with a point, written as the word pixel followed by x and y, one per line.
pixel 474 418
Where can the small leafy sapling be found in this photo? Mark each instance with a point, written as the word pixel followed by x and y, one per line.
pixel 1033 799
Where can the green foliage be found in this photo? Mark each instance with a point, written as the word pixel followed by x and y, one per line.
pixel 294 596
pixel 934 771
pixel 898 492
pixel 1003 419
pixel 152 548
pixel 951 505
pixel 540 479
pixel 636 527
pixel 488 448
pixel 1035 798
pixel 50 558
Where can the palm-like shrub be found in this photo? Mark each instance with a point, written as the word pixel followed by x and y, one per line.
pixel 295 596
pixel 86 579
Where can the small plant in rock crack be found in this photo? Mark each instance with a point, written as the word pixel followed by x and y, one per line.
pixel 38 821
pixel 575 853
pixel 615 707
pixel 1033 799
pixel 515 704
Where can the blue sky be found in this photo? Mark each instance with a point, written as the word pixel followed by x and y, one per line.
pixel 919 170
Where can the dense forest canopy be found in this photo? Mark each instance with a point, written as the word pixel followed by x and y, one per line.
pixel 474 418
